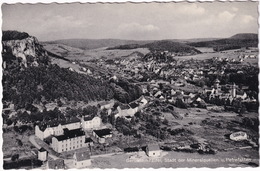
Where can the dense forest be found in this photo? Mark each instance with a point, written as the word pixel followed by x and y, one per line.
pixel 164 45
pixel 44 82
pixel 124 91
pixel 235 42
pixel 34 84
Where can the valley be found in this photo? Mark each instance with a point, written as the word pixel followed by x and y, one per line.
pixel 185 101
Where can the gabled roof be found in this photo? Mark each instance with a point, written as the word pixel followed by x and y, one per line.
pixel 42 150
pixel 81 156
pixel 87 140
pixel 89 118
pixel 124 107
pixel 240 93
pixel 186 97
pixel 70 120
pixel 106 102
pixel 133 105
pixel 68 134
pixel 103 132
pixel 55 123
pixel 56 164
pixel 44 125
pixel 153 147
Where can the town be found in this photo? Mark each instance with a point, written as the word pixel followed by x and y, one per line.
pixel 171 90
pixel 130 85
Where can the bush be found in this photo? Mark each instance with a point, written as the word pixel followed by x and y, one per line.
pixel 15 157
pixel 22 163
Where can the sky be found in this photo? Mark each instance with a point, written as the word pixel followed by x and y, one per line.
pixel 135 21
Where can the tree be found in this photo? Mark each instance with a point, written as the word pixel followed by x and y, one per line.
pixel 19 142
pixel 165 122
pixel 9 122
pixel 113 119
pixel 15 157
pixel 104 116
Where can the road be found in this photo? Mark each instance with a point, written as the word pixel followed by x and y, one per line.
pixel 44 145
pixel 32 140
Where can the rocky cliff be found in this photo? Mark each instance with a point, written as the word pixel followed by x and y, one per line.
pixel 24 49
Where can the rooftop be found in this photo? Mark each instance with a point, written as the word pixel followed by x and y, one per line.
pixel 56 164
pixel 89 117
pixel 133 105
pixel 153 147
pixel 103 132
pixel 55 123
pixel 81 156
pixel 124 107
pixel 106 102
pixel 68 134
pixel 41 149
pixel 88 139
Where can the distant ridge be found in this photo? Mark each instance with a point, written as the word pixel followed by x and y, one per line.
pixel 237 41
pixel 87 44
pixel 162 45
pixel 250 36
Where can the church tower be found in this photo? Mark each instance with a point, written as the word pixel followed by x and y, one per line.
pixel 216 86
pixel 233 90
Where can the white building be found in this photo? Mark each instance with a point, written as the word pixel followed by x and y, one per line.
pixel 126 111
pixel 107 104
pixel 42 154
pixel 153 150
pixel 81 159
pixel 70 140
pixel 238 136
pixel 91 122
pixel 102 134
pixel 56 127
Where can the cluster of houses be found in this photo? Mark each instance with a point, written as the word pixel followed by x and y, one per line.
pixel 124 110
pixel 216 92
pixel 80 160
pixel 69 134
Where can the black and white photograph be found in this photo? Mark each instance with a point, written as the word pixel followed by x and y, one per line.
pixel 129 85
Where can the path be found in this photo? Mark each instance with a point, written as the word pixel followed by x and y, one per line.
pixel 32 140
pixel 36 143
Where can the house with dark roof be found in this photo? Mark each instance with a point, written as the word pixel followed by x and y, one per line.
pixel 42 154
pixel 89 142
pixel 127 110
pixel 71 123
pixel 55 164
pixel 46 129
pixel 81 159
pixel 102 134
pixel 107 104
pixel 70 140
pixel 91 122
pixel 153 150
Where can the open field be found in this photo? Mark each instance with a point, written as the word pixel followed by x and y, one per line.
pixel 230 54
pixel 109 54
pixel 11 147
pixel 210 127
pixel 63 50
